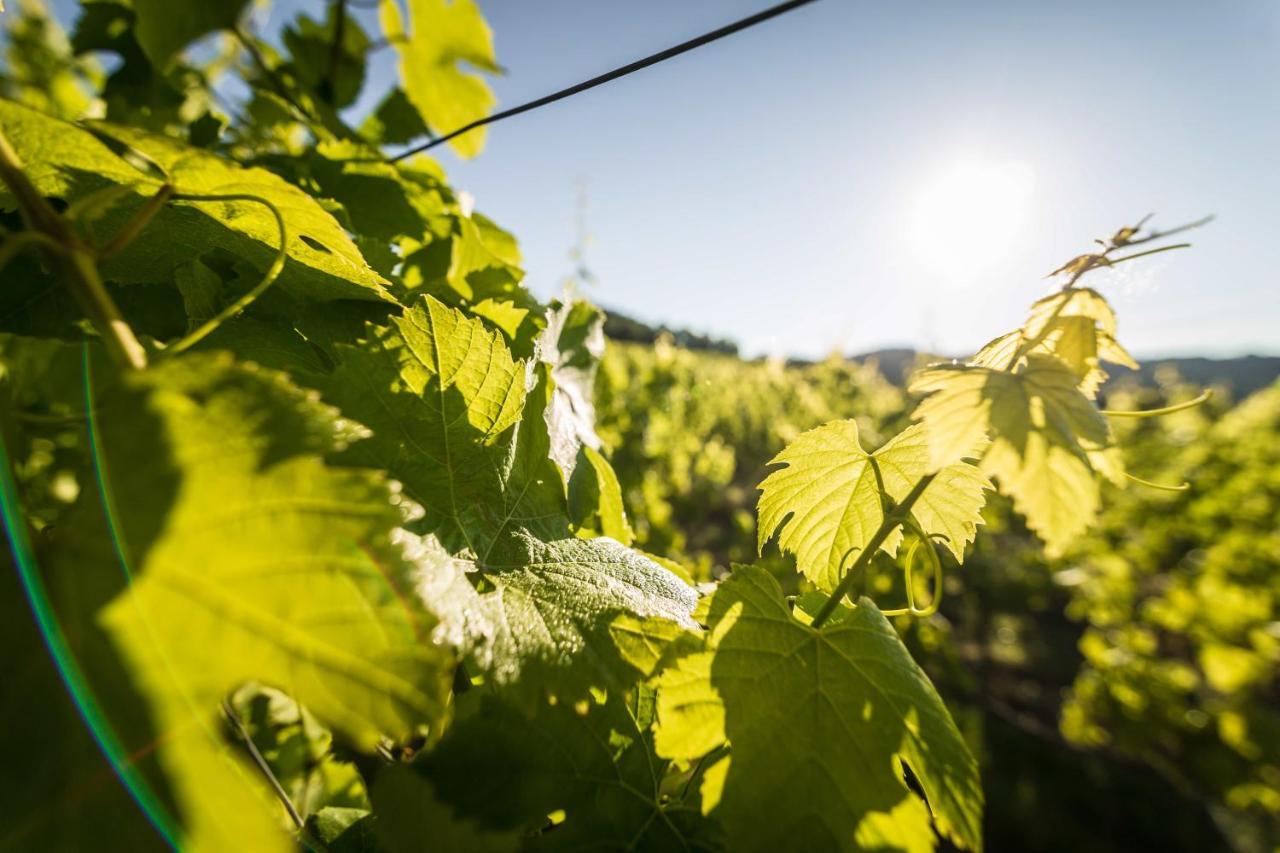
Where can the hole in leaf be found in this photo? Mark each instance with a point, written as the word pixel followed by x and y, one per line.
pixel 314 243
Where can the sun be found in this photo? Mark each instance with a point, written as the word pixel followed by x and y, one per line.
pixel 964 217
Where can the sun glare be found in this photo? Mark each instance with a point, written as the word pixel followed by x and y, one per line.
pixel 964 217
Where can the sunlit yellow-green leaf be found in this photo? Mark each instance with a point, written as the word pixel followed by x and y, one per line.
pixel 1043 431
pixel 248 558
pixel 441 37
pixel 819 723
pixel 825 503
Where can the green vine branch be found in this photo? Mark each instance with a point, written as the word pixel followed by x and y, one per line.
pixel 891 522
pixel 73 260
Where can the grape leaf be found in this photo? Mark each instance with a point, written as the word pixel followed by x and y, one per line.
pixel 442 36
pixel 547 618
pixel 595 499
pixel 819 723
pixel 509 768
pixel 468 262
pixel 383 200
pixel 165 27
pixel 444 396
pixel 326 264
pixel 1044 434
pixel 395 121
pixel 68 162
pixel 826 501
pixel 299 751
pixel 1075 324
pixel 572 345
pixel 344 830
pixel 250 559
pixel 336 78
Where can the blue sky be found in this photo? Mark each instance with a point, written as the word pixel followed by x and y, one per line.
pixel 808 185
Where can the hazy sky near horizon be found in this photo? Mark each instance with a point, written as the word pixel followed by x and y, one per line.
pixel 801 186
pixel 858 175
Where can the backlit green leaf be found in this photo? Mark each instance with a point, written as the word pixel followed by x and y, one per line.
pixel 1044 432
pixel 819 724
pixel 441 37
pixel 249 559
pixel 443 397
pixel 546 614
pixel 825 503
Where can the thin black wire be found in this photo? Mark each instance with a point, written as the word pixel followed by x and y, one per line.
pixel 685 47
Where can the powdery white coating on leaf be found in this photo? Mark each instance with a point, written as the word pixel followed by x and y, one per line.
pixel 572 345
pixel 550 609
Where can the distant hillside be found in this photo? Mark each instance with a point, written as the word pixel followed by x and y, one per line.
pixel 1242 375
pixel 620 327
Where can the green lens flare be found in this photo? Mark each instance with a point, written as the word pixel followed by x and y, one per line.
pixel 64 660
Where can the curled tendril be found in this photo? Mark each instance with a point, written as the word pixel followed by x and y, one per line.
pixel 921 546
pixel 282 254
pixel 1166 410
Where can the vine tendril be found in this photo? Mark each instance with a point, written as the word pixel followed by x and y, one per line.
pixel 1166 410
pixel 273 272
pixel 1182 487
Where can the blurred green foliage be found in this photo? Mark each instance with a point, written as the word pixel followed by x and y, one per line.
pixel 1139 668
pixel 690 433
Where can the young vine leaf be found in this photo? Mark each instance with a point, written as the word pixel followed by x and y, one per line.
pixel 1077 325
pixel 1045 435
pixel 828 499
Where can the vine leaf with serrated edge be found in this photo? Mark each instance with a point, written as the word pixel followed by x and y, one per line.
pixel 217 502
pixel 827 500
pixel 454 422
pixel 69 162
pixel 1047 438
pixel 1076 324
pixel 819 722
pixel 547 619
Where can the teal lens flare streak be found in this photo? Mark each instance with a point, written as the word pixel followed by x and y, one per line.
pixel 64 660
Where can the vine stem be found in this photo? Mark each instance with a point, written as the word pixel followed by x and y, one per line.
pixel 891 521
pixel 74 260
pixel 234 719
